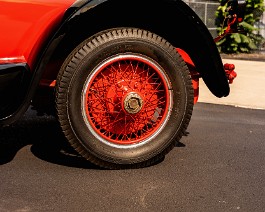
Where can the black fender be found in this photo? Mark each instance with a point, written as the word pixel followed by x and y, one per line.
pixel 172 19
pixel 203 51
pixel 187 32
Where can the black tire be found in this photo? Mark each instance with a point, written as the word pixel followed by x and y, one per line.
pixel 83 111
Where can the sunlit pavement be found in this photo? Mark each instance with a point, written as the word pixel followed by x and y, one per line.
pixel 247 90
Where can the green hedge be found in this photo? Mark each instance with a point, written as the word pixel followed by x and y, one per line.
pixel 238 42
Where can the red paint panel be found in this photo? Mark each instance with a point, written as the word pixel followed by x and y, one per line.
pixel 25 25
pixel 194 74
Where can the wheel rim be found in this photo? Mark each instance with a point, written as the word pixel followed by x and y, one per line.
pixel 126 100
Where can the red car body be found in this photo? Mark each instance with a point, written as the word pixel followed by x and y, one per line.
pixel 25 26
pixel 38 36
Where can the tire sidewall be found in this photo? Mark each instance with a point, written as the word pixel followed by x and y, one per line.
pixel 153 147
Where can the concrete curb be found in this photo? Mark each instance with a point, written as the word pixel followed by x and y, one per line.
pixel 249 57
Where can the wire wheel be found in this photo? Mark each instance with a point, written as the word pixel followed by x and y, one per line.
pixel 126 100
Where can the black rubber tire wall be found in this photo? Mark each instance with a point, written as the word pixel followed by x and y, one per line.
pixel 75 71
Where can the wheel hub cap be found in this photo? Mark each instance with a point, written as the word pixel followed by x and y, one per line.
pixel 133 103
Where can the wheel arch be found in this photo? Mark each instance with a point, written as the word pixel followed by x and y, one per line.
pixel 173 20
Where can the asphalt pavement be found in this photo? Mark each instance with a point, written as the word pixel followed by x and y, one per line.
pixel 247 90
pixel 218 166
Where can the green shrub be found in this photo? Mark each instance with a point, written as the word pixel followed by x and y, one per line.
pixel 238 42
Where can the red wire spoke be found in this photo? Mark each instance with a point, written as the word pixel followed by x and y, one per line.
pixel 127 100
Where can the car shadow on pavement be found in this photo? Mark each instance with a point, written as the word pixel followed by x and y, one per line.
pixel 46 139
pixel 47 142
